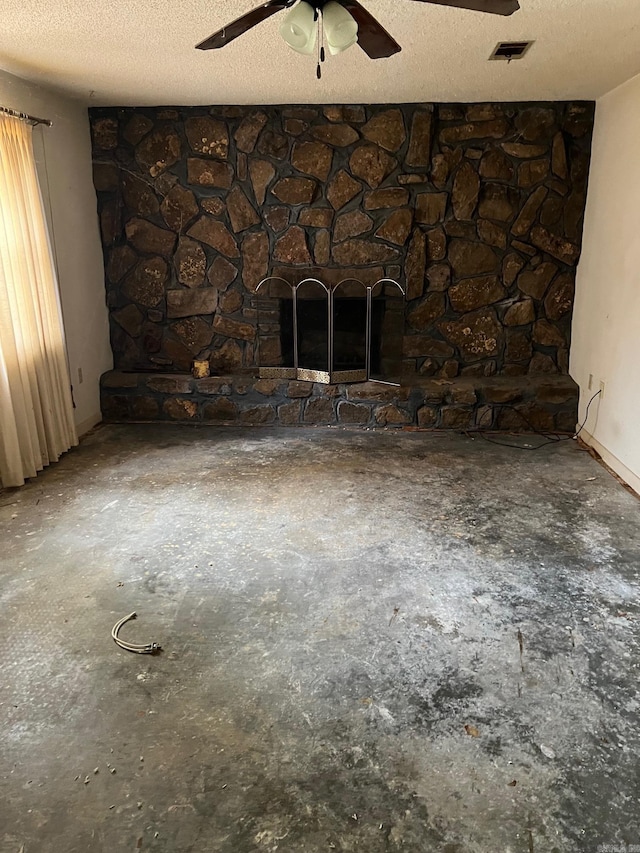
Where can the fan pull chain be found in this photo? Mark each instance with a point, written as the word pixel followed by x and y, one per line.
pixel 320 44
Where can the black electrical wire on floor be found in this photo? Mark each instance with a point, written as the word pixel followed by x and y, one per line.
pixel 586 414
pixel 550 438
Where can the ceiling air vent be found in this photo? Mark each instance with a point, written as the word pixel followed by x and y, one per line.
pixel 511 50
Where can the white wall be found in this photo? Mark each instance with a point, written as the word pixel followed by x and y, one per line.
pixel 64 165
pixel 606 320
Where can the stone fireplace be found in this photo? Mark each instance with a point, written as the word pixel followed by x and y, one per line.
pixel 475 210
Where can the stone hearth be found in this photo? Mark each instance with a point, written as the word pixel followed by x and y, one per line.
pixel 541 403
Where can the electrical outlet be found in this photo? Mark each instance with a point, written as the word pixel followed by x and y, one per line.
pixel 601 389
pixel 590 385
pixel 80 379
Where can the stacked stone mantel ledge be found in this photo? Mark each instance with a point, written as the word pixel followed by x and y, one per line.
pixel 513 404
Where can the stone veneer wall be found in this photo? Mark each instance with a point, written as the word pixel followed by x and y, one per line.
pixel 476 209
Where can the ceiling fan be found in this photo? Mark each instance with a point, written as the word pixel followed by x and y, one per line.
pixel 344 22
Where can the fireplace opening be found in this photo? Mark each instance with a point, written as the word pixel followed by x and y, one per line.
pixel 346 333
pixel 349 334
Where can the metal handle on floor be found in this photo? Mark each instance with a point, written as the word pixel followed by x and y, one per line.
pixel 139 649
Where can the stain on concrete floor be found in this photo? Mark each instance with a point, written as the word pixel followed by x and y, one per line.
pixel 373 641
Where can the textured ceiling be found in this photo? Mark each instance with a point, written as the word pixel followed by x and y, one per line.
pixel 125 52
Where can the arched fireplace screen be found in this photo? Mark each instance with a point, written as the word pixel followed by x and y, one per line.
pixel 348 333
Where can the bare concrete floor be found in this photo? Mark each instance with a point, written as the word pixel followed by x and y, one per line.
pixel 373 641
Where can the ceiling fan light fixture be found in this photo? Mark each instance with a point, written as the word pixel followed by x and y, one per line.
pixel 340 28
pixel 299 28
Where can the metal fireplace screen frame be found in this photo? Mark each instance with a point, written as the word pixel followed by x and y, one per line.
pixel 284 353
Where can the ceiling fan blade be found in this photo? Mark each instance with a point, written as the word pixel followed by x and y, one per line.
pixel 241 25
pixel 372 36
pixel 493 7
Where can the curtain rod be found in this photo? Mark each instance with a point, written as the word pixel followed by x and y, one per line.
pixel 26 116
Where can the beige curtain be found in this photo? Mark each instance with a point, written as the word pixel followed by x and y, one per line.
pixel 36 411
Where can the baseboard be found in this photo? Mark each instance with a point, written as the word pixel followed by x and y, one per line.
pixel 632 480
pixel 88 424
